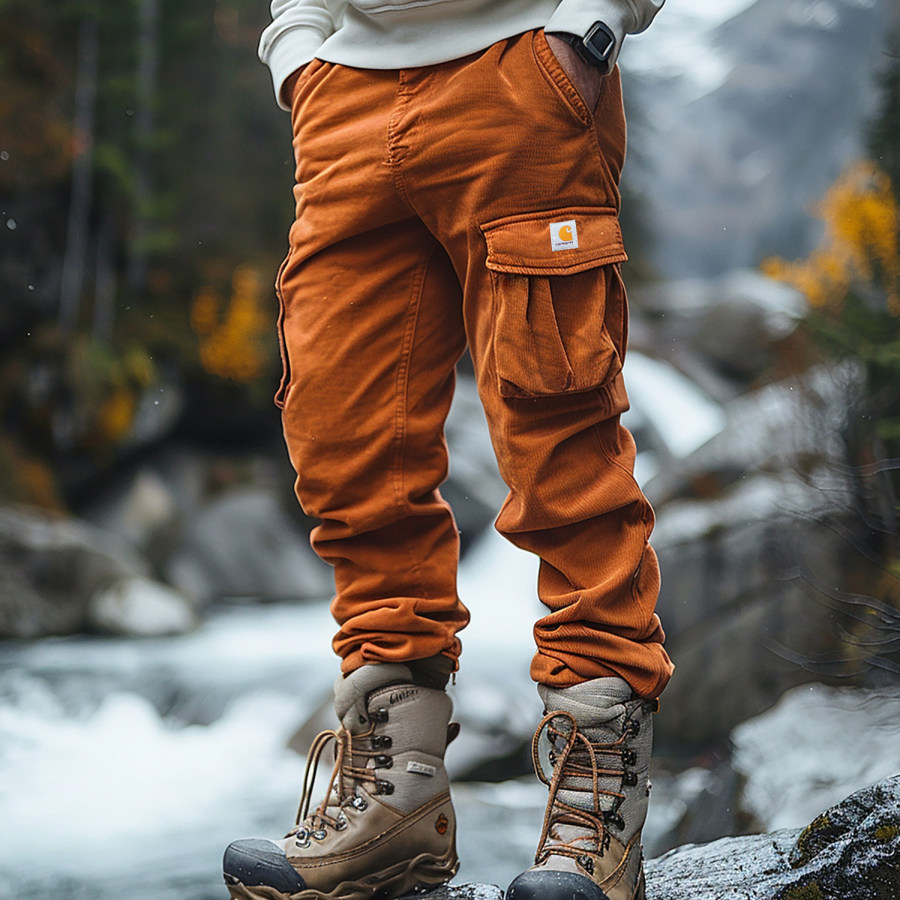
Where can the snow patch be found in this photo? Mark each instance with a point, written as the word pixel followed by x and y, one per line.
pixel 816 746
pixel 683 416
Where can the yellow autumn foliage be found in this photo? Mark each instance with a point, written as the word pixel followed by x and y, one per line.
pixel 859 246
pixel 116 415
pixel 232 340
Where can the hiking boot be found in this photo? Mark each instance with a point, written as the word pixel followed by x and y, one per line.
pixel 386 825
pixel 590 845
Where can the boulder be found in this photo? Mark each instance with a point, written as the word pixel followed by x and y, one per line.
pixel 730 323
pixel 51 568
pixel 243 543
pixel 140 507
pixel 747 605
pixel 791 771
pixel 849 852
pixel 141 608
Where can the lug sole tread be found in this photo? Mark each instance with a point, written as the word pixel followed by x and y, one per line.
pixel 425 870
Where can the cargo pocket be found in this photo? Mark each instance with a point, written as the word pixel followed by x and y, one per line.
pixel 557 290
pixel 281 393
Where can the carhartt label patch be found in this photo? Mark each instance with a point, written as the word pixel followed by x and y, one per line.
pixel 421 768
pixel 563 235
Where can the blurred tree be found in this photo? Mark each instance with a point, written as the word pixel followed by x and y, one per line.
pixel 137 140
pixel 852 282
pixel 232 342
pixel 75 254
pixel 884 132
pixel 637 230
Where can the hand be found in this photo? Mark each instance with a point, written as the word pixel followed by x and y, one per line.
pixel 289 84
pixel 587 80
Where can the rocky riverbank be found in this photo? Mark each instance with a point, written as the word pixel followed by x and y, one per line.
pixel 850 852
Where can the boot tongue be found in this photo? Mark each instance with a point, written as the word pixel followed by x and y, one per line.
pixel 578 789
pixel 364 701
pixel 593 703
pixel 351 694
pixel 599 710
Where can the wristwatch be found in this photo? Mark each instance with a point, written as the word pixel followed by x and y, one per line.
pixel 595 48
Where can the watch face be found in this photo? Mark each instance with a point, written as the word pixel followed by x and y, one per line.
pixel 600 41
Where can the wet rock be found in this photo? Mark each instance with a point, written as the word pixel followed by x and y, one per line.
pixel 50 568
pixel 736 867
pixel 790 773
pixel 850 852
pixel 741 605
pixel 463 892
pixel 141 608
pixel 728 323
pixel 243 543
pixel 140 508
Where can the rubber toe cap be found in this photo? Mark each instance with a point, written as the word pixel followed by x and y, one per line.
pixel 256 863
pixel 545 884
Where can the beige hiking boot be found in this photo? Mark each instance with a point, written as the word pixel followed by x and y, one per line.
pixel 590 847
pixel 387 825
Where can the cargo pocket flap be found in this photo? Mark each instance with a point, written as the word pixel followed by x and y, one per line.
pixel 559 242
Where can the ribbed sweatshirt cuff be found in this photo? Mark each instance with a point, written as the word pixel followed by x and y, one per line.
pixel 294 48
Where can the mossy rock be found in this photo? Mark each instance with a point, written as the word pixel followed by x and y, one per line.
pixel 852 850
pixel 810 891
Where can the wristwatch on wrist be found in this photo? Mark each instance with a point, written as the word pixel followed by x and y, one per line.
pixel 595 48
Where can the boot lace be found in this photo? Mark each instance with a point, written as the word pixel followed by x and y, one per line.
pixel 579 766
pixel 345 777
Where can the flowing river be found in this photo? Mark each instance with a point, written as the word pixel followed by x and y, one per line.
pixel 127 765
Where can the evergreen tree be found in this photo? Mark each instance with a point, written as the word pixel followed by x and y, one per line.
pixel 884 132
pixel 143 165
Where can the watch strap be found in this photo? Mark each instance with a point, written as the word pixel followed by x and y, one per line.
pixel 595 48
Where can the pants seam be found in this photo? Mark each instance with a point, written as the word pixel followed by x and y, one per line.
pixel 402 397
pixel 395 159
pixel 646 507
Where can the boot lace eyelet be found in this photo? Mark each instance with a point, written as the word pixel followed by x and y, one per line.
pixel 629 757
pixel 359 803
pixel 633 727
pixel 384 787
pixel 630 779
pixel 586 863
pixel 383 761
pixel 382 741
pixel 341 824
pixel 320 834
pixel 379 716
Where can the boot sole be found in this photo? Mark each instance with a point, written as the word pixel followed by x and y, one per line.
pixel 423 871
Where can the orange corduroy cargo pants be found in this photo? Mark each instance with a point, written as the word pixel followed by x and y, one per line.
pixel 468 203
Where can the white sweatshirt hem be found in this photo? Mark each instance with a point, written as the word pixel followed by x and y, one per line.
pixel 423 32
